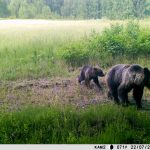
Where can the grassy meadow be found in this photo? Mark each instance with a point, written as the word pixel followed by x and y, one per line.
pixel 40 98
pixel 28 48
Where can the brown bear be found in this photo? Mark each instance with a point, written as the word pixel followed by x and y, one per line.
pixel 89 73
pixel 122 78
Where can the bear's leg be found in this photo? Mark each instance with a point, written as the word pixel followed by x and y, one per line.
pixel 80 79
pixel 109 95
pixel 137 94
pixel 123 95
pixel 113 94
pixel 87 82
pixel 97 83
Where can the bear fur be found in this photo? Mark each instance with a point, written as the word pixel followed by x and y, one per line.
pixel 122 78
pixel 89 73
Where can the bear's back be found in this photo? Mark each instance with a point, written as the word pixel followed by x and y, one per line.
pixel 114 75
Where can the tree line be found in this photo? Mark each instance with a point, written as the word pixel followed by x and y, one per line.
pixel 75 9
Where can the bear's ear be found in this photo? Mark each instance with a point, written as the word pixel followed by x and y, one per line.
pixel 147 77
pixel 98 72
pixel 95 69
pixel 146 72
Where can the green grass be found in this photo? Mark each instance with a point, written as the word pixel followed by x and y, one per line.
pixel 91 125
pixel 28 47
pixel 27 53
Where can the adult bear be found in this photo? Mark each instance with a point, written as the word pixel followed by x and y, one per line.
pixel 122 78
pixel 89 73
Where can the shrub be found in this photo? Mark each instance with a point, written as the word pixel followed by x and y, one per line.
pixel 75 54
pixel 118 41
pixel 111 40
pixel 97 55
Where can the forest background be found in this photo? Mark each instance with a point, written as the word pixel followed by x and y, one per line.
pixel 74 9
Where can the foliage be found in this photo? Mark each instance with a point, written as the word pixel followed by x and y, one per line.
pixel 114 42
pixel 122 40
pixel 74 54
pixel 29 52
pixel 4 12
pixel 96 48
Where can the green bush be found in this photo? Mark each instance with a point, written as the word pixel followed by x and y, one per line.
pixel 121 40
pixel 75 54
pixel 118 41
pixel 96 53
pixel 111 40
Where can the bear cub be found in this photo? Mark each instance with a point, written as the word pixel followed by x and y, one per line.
pixel 89 73
pixel 123 78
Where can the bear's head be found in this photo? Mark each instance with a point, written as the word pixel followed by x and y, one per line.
pixel 147 77
pixel 99 72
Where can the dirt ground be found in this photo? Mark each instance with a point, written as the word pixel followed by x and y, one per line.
pixel 56 91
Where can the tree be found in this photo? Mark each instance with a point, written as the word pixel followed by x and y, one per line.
pixel 147 8
pixel 23 10
pixel 66 9
pixel 76 9
pixel 46 12
pixel 117 9
pixel 14 7
pixel 3 9
pixel 139 8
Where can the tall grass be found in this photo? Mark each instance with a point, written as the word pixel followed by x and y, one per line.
pixel 28 47
pixel 92 125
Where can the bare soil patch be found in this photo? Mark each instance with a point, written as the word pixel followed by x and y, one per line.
pixel 57 91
